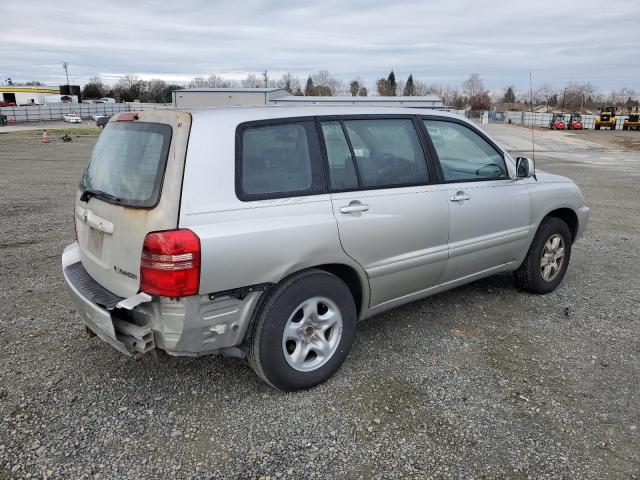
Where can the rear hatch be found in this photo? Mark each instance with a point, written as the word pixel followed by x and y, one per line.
pixel 131 187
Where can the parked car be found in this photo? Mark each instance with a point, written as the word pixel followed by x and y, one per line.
pixel 72 118
pixel 575 122
pixel 557 122
pixel 268 232
pixel 101 120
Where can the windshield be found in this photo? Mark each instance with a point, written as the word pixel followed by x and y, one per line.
pixel 577 118
pixel 127 163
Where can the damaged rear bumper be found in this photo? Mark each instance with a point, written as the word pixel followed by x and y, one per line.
pixel 189 326
pixel 95 306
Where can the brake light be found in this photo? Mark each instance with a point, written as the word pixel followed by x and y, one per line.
pixel 126 117
pixel 170 264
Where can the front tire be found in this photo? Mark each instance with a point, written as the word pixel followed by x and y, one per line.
pixel 303 331
pixel 546 262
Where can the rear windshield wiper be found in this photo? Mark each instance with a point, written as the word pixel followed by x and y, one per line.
pixel 88 193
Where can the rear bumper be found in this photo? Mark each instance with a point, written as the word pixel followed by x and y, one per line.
pixel 97 318
pixel 189 326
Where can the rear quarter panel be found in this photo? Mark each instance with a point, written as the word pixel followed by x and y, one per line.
pixel 247 243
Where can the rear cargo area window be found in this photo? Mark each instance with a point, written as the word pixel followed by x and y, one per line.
pixel 128 162
pixel 279 161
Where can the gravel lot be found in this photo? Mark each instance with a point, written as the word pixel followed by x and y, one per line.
pixel 481 382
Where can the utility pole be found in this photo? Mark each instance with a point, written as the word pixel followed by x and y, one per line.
pixel 266 79
pixel 65 65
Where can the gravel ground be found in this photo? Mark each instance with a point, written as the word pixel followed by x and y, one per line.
pixel 481 382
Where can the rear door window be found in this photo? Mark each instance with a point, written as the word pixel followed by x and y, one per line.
pixel 341 168
pixel 281 160
pixel 128 162
pixel 387 152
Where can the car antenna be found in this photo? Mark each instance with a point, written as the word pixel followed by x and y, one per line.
pixel 533 143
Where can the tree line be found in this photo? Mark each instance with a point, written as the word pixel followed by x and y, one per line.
pixel 470 94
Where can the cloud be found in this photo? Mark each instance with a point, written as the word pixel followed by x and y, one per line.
pixel 438 42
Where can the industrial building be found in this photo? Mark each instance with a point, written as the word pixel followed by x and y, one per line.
pixel 422 102
pixel 213 97
pixel 20 95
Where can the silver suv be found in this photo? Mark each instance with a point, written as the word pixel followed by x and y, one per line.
pixel 268 232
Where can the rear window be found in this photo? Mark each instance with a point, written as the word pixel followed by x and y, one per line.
pixel 128 162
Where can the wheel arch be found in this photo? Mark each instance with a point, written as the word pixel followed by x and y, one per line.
pixel 353 280
pixel 568 216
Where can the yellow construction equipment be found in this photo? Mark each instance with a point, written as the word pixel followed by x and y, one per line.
pixel 632 122
pixel 607 118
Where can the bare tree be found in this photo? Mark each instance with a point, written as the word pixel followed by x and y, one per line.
pixel 545 95
pixel 197 82
pixel 252 81
pixel 620 97
pixel 422 89
pixel 213 81
pixel 477 96
pixel 155 91
pixel 322 78
pixel 289 82
pixel 473 85
pixel 129 88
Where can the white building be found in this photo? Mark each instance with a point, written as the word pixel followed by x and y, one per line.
pixel 423 102
pixel 27 94
pixel 212 97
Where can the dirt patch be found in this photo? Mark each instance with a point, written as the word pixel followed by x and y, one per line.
pixel 616 139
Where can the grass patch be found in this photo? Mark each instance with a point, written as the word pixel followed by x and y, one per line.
pixel 72 132
pixel 58 132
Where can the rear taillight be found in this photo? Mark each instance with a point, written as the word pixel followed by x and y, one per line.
pixel 170 265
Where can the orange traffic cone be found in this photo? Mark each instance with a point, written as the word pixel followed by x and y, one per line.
pixel 45 137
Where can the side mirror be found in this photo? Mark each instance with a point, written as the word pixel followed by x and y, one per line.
pixel 525 167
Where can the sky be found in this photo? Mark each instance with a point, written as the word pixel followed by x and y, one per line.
pixel 437 41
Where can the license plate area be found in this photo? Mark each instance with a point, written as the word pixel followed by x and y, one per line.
pixel 95 242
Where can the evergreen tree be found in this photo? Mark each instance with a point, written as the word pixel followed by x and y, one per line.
pixel 409 87
pixel 354 88
pixel 363 92
pixel 309 89
pixel 391 84
pixel 509 96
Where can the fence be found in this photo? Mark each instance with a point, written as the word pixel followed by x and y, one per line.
pixel 57 111
pixel 536 119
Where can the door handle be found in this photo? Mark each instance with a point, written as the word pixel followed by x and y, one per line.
pixel 460 197
pixel 354 208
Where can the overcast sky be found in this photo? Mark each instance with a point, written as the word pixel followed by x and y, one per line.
pixel 438 41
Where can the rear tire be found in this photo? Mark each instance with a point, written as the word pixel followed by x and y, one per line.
pixel 304 331
pixel 546 262
pixel 597 127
